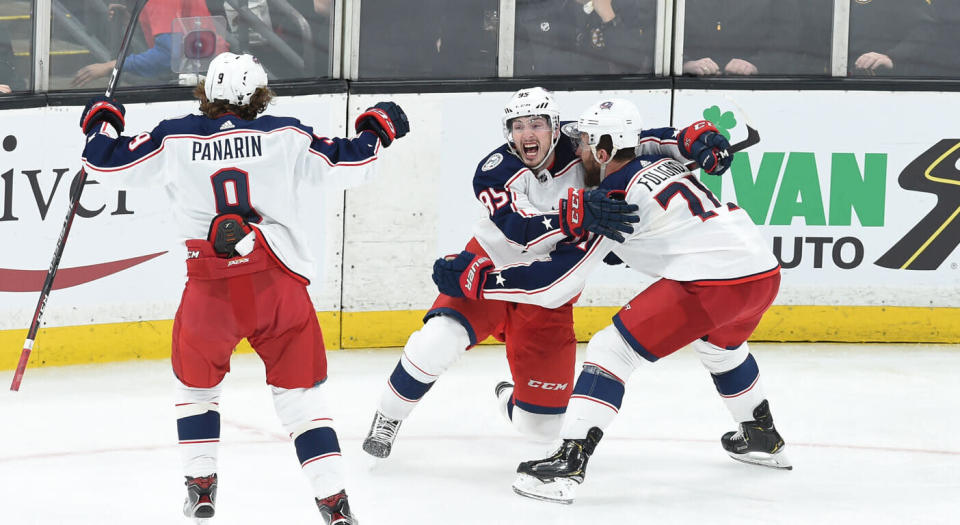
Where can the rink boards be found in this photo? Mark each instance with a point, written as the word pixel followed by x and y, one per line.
pixel 860 207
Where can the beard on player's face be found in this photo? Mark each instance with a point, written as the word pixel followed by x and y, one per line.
pixel 591 168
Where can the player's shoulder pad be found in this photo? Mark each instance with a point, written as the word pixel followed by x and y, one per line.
pixel 564 154
pixel 621 179
pixel 268 123
pixel 660 133
pixel 183 125
pixel 497 168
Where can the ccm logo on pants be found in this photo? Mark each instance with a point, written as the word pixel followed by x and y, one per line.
pixel 547 386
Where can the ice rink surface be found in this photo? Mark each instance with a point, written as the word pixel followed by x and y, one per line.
pixel 873 432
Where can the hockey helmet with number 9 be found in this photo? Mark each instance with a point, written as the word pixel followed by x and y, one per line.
pixel 616 117
pixel 234 78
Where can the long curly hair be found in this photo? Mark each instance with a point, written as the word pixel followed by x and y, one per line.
pixel 214 109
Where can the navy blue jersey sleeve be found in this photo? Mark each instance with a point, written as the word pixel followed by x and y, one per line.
pixel 341 162
pixel 661 134
pixel 500 185
pixel 361 149
pixel 105 152
pixel 550 282
pixel 660 141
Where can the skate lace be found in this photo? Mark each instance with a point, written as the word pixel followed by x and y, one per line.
pixel 385 428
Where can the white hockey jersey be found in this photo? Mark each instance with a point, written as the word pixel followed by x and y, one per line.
pixel 684 234
pixel 230 165
pixel 524 223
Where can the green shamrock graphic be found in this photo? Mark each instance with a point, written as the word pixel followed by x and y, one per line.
pixel 723 121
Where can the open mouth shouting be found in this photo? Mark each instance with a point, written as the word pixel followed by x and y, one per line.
pixel 531 139
pixel 531 152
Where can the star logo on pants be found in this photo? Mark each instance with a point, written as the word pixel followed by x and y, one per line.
pixel 500 280
pixel 547 223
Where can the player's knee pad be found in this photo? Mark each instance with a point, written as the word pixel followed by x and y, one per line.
pixel 719 360
pixel 608 351
pixel 427 354
pixel 540 427
pixel 192 401
pixel 432 349
pixel 301 409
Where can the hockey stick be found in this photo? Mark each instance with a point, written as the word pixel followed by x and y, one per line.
pixel 753 137
pixel 75 191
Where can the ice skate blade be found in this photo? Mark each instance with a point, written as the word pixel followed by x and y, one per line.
pixel 778 461
pixel 376 450
pixel 557 491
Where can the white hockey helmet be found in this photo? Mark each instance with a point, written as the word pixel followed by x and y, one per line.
pixel 234 78
pixel 616 117
pixel 528 102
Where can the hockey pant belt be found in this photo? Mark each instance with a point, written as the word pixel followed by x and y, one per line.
pixel 203 262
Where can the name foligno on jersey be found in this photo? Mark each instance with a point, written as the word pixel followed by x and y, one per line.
pixel 228 148
pixel 660 172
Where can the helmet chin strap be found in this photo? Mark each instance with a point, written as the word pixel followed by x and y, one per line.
pixel 603 165
pixel 553 145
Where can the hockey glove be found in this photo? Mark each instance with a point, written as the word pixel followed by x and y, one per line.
pixel 386 119
pixel 595 211
pixel 102 109
pixel 462 275
pixel 702 142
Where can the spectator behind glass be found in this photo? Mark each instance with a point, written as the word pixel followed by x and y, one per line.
pixel 890 37
pixel 428 39
pixel 581 37
pixel 747 37
pixel 156 22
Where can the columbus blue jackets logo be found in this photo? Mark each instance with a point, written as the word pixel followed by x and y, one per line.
pixel 492 162
pixel 606 105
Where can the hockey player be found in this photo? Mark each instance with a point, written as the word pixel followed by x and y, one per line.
pixel 532 187
pixel 233 179
pixel 717 277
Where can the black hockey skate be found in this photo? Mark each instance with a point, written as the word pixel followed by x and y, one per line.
pixel 757 441
pixel 201 498
pixel 555 478
pixel 501 386
pixel 383 431
pixel 336 510
pixel 504 393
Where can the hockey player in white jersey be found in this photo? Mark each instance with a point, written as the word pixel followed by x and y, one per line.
pixel 716 278
pixel 233 182
pixel 525 185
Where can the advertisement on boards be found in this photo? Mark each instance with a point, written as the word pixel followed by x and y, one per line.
pixel 859 209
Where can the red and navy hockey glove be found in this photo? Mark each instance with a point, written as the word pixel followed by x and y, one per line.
pixel 102 109
pixel 595 211
pixel 702 142
pixel 462 275
pixel 386 119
